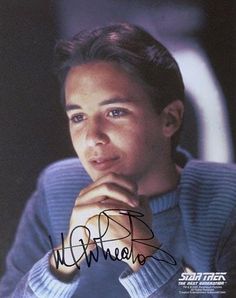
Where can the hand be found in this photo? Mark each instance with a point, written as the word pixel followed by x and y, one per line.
pixel 89 203
pixel 125 233
pixel 115 191
pixel 109 192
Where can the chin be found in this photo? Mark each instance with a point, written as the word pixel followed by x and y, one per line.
pixel 94 175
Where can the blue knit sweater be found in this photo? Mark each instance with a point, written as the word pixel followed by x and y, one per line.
pixel 195 224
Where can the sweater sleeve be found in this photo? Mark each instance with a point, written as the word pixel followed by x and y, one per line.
pixel 156 278
pixel 27 268
pixel 226 255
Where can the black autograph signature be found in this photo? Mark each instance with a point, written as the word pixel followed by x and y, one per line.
pixel 125 253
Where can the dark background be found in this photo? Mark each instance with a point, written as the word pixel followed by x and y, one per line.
pixel 33 125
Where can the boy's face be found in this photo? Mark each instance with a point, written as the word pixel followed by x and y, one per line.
pixel 113 125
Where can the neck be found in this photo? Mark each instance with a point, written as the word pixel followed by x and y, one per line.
pixel 160 182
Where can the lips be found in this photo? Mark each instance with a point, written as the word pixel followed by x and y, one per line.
pixel 103 163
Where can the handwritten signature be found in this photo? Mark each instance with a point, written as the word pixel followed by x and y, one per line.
pixel 117 255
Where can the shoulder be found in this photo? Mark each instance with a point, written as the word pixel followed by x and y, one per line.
pixel 207 204
pixel 67 173
pixel 208 192
pixel 200 165
pixel 64 166
pixel 209 173
pixel 58 186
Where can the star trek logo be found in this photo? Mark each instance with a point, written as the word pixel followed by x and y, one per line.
pixel 202 282
pixel 203 276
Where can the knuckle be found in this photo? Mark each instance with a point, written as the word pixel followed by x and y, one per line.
pixel 98 206
pixel 108 187
pixel 82 191
pixel 86 189
pixel 78 200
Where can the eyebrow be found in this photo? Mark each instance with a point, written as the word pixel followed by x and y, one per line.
pixel 103 103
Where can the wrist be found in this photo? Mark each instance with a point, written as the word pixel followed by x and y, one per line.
pixel 66 259
pixel 141 253
pixel 62 265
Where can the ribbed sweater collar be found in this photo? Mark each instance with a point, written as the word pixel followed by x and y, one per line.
pixel 163 202
pixel 169 199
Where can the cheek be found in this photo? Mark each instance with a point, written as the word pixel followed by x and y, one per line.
pixel 73 138
pixel 77 143
pixel 133 143
pixel 148 142
pixel 127 138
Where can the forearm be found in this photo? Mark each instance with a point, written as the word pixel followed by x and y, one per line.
pixel 40 282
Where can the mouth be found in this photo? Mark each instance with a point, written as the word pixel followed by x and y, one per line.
pixel 102 164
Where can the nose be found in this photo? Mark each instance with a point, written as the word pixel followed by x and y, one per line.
pixel 95 134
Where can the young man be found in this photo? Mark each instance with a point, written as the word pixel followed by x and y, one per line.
pixel 124 219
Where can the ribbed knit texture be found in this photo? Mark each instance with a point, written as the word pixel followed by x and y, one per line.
pixel 207 200
pixel 190 222
pixel 41 272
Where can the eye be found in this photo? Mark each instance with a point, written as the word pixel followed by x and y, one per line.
pixel 116 113
pixel 77 118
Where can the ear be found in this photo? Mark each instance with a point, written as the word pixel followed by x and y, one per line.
pixel 172 117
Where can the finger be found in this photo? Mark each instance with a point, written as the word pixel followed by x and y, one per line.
pixel 81 214
pixel 120 180
pixel 107 190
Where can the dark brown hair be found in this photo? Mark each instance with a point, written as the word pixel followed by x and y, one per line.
pixel 135 50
